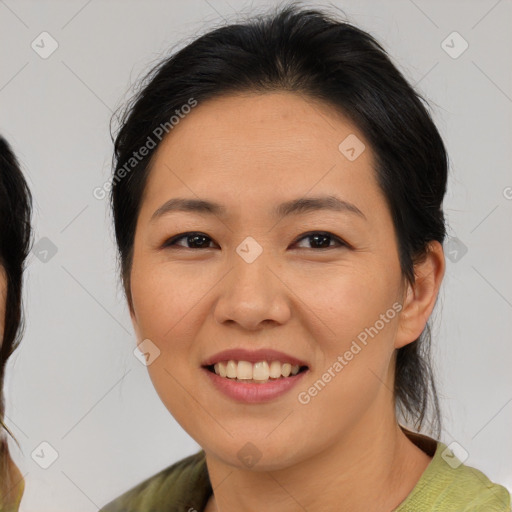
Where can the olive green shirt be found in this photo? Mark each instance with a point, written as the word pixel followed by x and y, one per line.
pixel 446 485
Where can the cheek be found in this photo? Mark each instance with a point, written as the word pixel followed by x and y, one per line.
pixel 163 298
pixel 163 301
pixel 358 323
pixel 348 300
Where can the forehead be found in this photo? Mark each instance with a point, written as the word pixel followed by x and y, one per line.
pixel 262 146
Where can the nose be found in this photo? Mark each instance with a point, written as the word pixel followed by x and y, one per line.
pixel 253 295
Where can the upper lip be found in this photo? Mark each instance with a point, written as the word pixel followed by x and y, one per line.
pixel 252 356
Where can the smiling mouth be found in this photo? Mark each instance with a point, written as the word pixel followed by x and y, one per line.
pixel 261 372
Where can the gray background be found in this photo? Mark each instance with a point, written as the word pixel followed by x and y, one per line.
pixel 74 383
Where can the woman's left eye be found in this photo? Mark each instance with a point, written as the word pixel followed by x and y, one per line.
pixel 322 238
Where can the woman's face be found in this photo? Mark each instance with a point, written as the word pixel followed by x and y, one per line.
pixel 309 298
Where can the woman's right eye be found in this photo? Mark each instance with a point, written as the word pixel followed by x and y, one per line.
pixel 197 240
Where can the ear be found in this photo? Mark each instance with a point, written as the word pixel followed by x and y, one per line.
pixel 420 297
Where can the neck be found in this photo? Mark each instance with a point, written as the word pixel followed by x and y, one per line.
pixel 373 468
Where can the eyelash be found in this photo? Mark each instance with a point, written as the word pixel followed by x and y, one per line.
pixel 171 242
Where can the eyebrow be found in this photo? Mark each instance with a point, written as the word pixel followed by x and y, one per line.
pixel 293 207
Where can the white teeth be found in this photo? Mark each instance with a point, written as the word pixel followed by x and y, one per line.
pixel 260 371
pixel 244 370
pixel 231 369
pixel 220 369
pixel 275 369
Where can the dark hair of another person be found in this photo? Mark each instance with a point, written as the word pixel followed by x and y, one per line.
pixel 15 235
pixel 311 53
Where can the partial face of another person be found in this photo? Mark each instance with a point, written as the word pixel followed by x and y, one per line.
pixel 3 299
pixel 323 275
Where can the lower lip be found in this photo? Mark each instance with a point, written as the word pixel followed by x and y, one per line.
pixel 252 392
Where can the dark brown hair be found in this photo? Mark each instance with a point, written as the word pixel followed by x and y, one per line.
pixel 15 237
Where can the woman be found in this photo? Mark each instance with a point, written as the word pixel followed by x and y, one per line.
pixel 15 233
pixel 277 202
